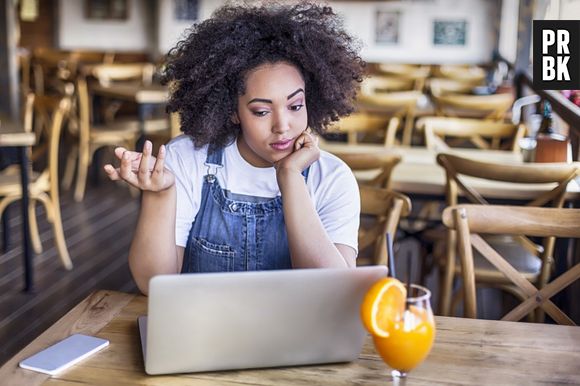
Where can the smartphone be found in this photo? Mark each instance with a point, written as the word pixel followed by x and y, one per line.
pixel 64 354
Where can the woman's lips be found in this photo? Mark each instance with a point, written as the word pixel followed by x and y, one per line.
pixel 282 145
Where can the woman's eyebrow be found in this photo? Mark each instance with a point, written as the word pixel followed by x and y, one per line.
pixel 262 100
pixel 294 93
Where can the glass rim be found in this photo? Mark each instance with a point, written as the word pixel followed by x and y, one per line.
pixel 425 296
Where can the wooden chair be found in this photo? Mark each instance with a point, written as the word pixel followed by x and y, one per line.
pixel 471 220
pixel 381 211
pixel 399 105
pixel 376 84
pixel 44 185
pixel 366 124
pixel 49 66
pixel 462 73
pixel 495 106
pixel 482 134
pixel 547 184
pixel 417 73
pixel 444 86
pixel 109 73
pixel 90 138
pixel 380 165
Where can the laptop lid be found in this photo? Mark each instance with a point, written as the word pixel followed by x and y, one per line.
pixel 237 320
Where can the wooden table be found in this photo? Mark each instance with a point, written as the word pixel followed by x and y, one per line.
pixel 419 175
pixel 466 351
pixel 12 134
pixel 132 92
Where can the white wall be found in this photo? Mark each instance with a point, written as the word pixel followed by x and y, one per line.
pixel 416 30
pixel 508 39
pixel 74 31
pixel 415 35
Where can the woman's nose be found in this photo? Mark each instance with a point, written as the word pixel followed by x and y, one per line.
pixel 281 123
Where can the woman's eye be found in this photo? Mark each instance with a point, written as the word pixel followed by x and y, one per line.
pixel 296 107
pixel 260 113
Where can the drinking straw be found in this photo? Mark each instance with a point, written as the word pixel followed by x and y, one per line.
pixel 391 255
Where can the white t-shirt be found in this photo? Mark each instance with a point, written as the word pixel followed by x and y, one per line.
pixel 331 185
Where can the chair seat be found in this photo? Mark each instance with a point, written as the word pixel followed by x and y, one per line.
pixel 514 253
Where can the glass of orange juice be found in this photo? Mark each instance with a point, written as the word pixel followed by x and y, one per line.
pixel 410 334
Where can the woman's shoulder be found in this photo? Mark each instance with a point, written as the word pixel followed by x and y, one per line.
pixel 329 162
pixel 182 154
pixel 183 145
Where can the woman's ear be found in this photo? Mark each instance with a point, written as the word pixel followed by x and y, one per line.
pixel 235 119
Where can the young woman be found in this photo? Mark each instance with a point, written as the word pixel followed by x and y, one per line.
pixel 246 187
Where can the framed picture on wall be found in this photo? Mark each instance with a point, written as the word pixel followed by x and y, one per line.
pixel 185 9
pixel 107 9
pixel 387 27
pixel 449 32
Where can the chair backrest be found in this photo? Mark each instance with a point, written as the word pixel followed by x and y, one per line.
pixel 484 134
pixel 417 73
pixel 363 123
pixel 549 181
pixel 444 86
pixel 463 73
pixel 381 211
pixel 123 72
pixel 381 163
pixel 471 220
pixel 494 106
pixel 57 108
pixel 376 84
pixel 401 105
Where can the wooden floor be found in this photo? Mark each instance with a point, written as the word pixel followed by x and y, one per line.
pixel 98 232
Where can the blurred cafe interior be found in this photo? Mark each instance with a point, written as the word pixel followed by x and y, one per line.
pixel 446 115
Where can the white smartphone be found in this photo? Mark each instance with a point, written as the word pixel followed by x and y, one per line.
pixel 64 354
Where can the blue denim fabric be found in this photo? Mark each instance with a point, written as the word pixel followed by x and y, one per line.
pixel 234 232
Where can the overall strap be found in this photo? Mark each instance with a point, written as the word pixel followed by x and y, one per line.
pixel 214 160
pixel 305 173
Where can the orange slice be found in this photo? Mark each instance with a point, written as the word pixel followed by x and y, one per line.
pixel 383 305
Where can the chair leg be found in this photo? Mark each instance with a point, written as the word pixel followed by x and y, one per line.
pixel 82 170
pixel 59 240
pixel 34 234
pixel 446 283
pixel 69 170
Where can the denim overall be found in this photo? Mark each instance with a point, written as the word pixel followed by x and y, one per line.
pixel 235 232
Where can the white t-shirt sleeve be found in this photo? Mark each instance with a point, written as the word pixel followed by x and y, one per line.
pixel 181 161
pixel 337 201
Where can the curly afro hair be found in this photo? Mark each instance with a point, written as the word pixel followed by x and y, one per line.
pixel 207 69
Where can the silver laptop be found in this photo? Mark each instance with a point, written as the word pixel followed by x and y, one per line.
pixel 239 320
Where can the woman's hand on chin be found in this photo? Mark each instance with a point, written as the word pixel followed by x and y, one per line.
pixel 304 154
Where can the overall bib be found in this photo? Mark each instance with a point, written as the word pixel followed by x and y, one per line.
pixel 235 232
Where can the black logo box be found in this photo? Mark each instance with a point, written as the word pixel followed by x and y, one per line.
pixel 573 28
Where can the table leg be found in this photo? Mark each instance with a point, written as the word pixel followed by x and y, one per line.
pixel 26 244
pixel 5 230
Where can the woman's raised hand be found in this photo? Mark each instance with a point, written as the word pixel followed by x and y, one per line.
pixel 142 170
pixel 306 152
